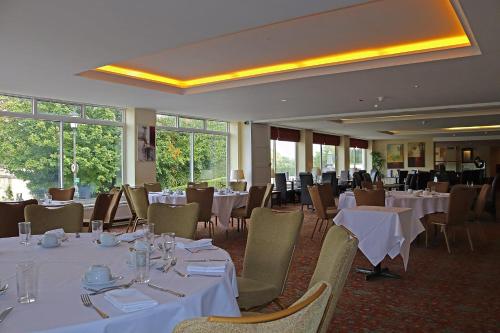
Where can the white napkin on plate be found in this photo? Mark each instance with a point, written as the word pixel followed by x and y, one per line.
pixel 58 232
pixel 130 236
pixel 206 268
pixel 129 300
pixel 205 242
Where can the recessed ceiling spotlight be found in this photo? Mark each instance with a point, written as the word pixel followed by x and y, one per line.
pixel 380 98
pixel 283 100
pixel 416 86
pixel 375 106
pixel 361 100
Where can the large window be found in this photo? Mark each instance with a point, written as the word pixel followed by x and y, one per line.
pixel 323 157
pixel 48 143
pixel 196 150
pixel 284 157
pixel 357 158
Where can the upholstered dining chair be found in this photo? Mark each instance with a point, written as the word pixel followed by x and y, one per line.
pixel 109 218
pixel 68 217
pixel 197 184
pixel 440 187
pixel 267 195
pixel 369 197
pixel 12 213
pixel 305 315
pixel 378 185
pixel 323 205
pixel 152 187
pixel 366 185
pixel 205 199
pixel 306 180
pixel 133 214
pixel 140 202
pixel 101 207
pixel 461 198
pixel 479 207
pixel 181 219
pixel 333 266
pixel 238 186
pixel 62 194
pixel 268 254
pixel 255 198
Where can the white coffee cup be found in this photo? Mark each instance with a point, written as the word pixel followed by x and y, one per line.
pixel 98 274
pixel 50 240
pixel 108 239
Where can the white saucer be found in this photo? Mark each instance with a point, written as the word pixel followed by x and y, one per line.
pixel 48 247
pixel 111 282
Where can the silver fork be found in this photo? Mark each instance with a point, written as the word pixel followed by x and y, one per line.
pixel 196 274
pixel 103 290
pixel 88 303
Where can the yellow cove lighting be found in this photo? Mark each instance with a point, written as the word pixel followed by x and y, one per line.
pixel 334 59
pixel 465 128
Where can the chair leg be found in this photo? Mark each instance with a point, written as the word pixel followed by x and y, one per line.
pixel 130 223
pixel 470 238
pixel 215 219
pixel 314 230
pixel 135 224
pixel 443 229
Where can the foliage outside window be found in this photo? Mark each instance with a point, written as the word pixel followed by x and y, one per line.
pixel 215 125
pixel 103 113
pixel 284 157
pixel 15 104
pixel 323 157
pixel 357 158
pixel 191 123
pixel 166 120
pixel 58 108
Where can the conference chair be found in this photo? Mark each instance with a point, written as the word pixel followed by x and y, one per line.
pixel 140 202
pixel 181 219
pixel 369 197
pixel 152 187
pixel 68 217
pixel 255 198
pixel 324 205
pixel 197 184
pixel 126 188
pixel 441 187
pixel 205 198
pixel 12 213
pixel 62 194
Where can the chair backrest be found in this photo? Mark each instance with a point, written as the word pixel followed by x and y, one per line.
pixel 115 201
pixel 126 188
pixel 333 266
pixel 367 185
pixel 441 187
pixel 366 177
pixel 68 217
pixel 402 174
pixel 238 186
pixel 205 198
pixel 481 200
pixel 255 197
pixel 197 184
pixel 62 194
pixel 140 201
pixel 179 219
pixel 369 197
pixel 305 315
pixel 270 245
pixel 423 177
pixel 152 187
pixel 101 207
pixel 267 195
pixel 378 185
pixel 356 179
pixel 322 198
pixel 12 213
pixel 306 179
pixel 461 198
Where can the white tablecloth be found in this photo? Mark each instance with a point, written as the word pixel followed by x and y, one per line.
pixel 381 230
pixel 222 205
pixel 59 308
pixel 420 205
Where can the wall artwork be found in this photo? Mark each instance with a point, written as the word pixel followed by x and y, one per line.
pixel 395 156
pixel 146 143
pixel 416 154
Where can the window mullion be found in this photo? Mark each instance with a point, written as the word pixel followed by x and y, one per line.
pixel 191 157
pixel 61 154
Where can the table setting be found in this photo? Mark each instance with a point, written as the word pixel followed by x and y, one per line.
pixel 108 282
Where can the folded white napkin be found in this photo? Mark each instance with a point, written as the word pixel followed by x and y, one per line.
pixel 129 300
pixel 130 236
pixel 58 232
pixel 206 268
pixel 194 244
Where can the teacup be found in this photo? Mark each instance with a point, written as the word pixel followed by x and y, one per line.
pixel 98 274
pixel 108 239
pixel 50 240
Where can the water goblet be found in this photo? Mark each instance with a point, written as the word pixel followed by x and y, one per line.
pixel 168 245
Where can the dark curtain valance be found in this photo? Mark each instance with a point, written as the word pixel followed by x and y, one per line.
pixel 358 143
pixel 285 134
pixel 326 139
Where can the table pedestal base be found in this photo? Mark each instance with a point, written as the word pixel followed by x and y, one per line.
pixel 376 272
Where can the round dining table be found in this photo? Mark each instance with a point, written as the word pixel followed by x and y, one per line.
pixel 59 308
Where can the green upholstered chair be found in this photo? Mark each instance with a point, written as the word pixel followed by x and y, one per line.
pixel 204 197
pixel 268 254
pixel 139 198
pixel 267 195
pixel 152 187
pixel 179 219
pixel 62 194
pixel 255 199
pixel 333 266
pixel 12 213
pixel 305 315
pixel 126 189
pixel 69 217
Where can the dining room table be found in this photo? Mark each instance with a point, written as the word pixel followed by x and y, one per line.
pixel 59 308
pixel 223 203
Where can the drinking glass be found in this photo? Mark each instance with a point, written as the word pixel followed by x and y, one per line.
pixel 433 189
pixel 27 282
pixel 48 199
pixel 149 232
pixel 19 197
pixel 24 232
pixel 96 229
pixel 168 245
pixel 142 266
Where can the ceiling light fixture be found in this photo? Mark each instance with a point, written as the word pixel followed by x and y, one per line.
pixel 340 58
pixel 466 128
pixel 416 86
pixel 283 100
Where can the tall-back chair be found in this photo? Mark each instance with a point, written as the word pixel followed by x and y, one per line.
pixel 461 198
pixel 109 218
pixel 139 198
pixel 133 215
pixel 378 185
pixel 369 197
pixel 366 185
pixel 255 198
pixel 197 184
pixel 62 194
pixel 268 254
pixel 333 266
pixel 286 195
pixel 101 207
pixel 238 186
pixel 306 180
pixel 205 198
pixel 267 195
pixel 423 177
pixel 179 219
pixel 68 217
pixel 152 187
pixel 324 205
pixel 12 213
pixel 441 187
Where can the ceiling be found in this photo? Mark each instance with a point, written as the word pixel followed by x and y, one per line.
pixel 44 44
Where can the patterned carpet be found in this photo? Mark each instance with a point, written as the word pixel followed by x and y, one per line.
pixel 439 292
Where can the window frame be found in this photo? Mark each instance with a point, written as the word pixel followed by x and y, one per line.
pixel 273 162
pixel 321 155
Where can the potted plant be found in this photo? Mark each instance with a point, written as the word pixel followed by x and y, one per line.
pixel 378 163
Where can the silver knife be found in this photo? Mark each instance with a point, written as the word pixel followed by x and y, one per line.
pixel 5 313
pixel 166 290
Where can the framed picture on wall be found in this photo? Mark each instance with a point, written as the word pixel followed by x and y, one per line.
pixel 146 143
pixel 416 154
pixel 395 156
pixel 467 155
